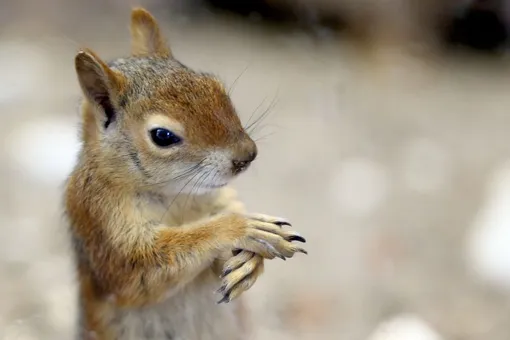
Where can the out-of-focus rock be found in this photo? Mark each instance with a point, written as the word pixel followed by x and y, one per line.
pixel 18 331
pixel 426 165
pixel 360 186
pixel 23 66
pixel 307 312
pixel 488 249
pixel 44 150
pixel 404 327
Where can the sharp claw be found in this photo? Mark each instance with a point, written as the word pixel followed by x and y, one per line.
pixel 282 223
pixel 221 289
pixel 225 273
pixel 280 256
pixel 298 238
pixel 268 245
pixel 302 251
pixel 271 248
pixel 225 299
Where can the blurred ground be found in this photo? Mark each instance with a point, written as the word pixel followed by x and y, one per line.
pixel 395 168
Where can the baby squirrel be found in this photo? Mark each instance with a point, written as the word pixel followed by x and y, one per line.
pixel 154 226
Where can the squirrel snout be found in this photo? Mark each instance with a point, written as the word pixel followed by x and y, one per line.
pixel 239 165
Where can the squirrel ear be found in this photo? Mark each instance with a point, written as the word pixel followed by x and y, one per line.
pixel 98 82
pixel 146 38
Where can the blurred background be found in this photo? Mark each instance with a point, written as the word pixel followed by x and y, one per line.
pixel 385 141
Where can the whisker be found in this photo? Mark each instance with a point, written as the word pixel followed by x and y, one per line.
pixel 195 186
pixel 188 172
pixel 231 87
pixel 182 174
pixel 264 136
pixel 253 113
pixel 178 194
pixel 251 128
pixel 216 173
pixel 263 127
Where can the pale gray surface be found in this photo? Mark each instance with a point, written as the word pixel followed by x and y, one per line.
pixel 383 165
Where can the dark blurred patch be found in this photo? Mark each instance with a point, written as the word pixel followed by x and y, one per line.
pixel 250 8
pixel 479 27
pixel 279 13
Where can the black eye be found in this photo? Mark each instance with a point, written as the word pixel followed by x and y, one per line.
pixel 163 137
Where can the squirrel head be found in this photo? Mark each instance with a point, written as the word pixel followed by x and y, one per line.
pixel 157 123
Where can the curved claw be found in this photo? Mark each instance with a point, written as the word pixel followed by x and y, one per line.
pixel 225 273
pixel 282 223
pixel 279 221
pixel 221 289
pixel 301 250
pixel 271 249
pixel 225 299
pixel 296 238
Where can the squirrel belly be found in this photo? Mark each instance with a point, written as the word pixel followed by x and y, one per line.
pixel 191 315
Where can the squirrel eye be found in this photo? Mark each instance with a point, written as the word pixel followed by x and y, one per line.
pixel 163 137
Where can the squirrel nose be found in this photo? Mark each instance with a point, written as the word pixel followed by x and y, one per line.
pixel 239 165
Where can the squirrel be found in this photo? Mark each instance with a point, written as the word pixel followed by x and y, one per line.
pixel 155 227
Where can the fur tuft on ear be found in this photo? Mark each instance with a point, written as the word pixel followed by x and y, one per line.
pixel 146 37
pixel 99 83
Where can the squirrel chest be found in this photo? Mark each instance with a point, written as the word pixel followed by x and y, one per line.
pixel 188 310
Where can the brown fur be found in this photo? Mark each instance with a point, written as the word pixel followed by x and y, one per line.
pixel 148 259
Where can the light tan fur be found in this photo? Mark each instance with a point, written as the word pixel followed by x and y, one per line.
pixel 156 230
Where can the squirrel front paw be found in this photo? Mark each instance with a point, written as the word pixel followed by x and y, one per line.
pixel 240 273
pixel 266 236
